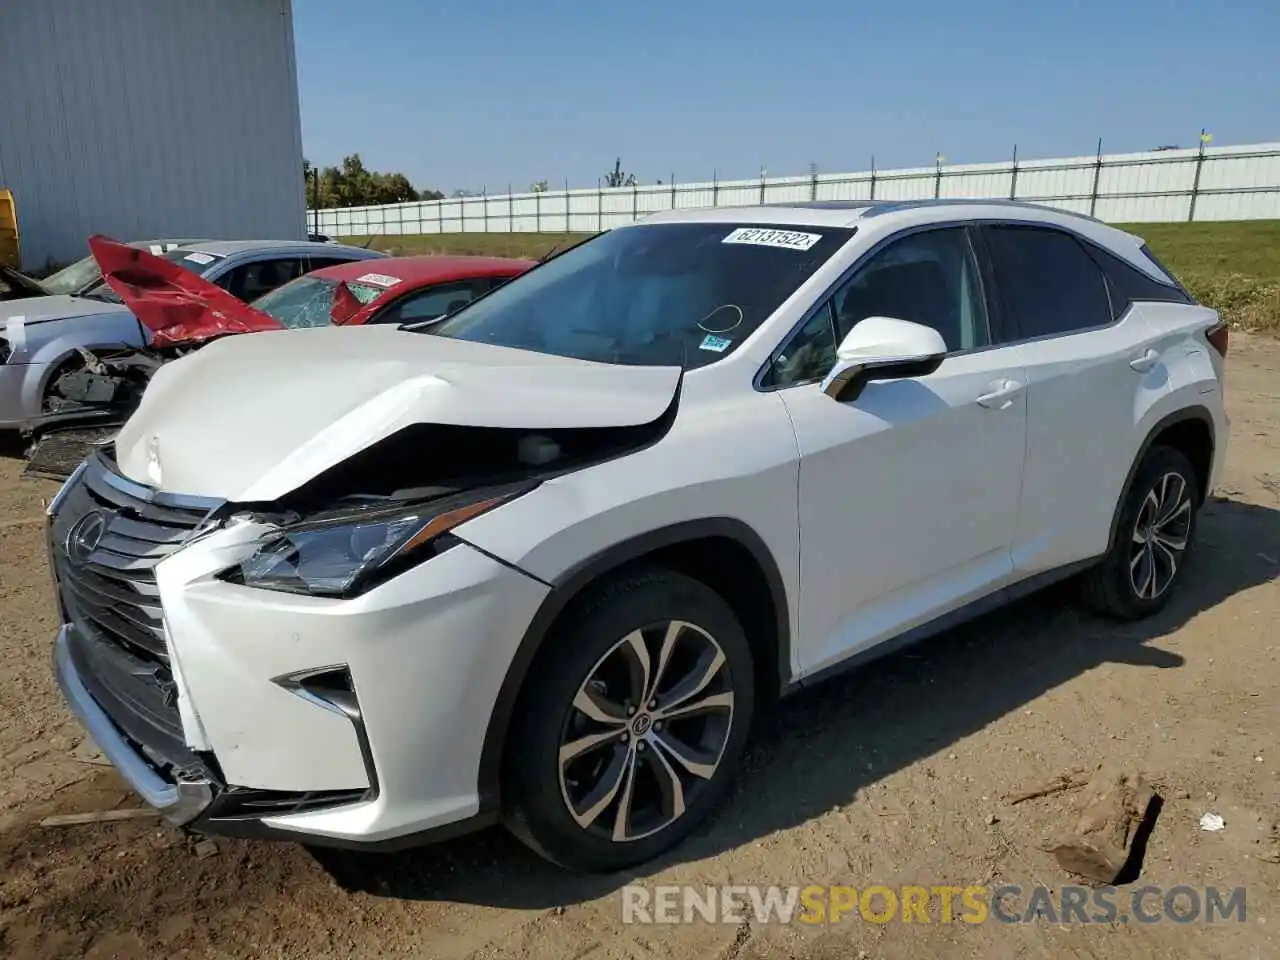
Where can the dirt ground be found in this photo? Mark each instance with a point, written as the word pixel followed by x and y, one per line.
pixel 894 775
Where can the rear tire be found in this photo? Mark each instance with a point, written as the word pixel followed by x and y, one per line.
pixel 1153 540
pixel 632 724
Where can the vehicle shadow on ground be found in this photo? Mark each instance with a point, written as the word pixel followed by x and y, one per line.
pixel 13 446
pixel 818 749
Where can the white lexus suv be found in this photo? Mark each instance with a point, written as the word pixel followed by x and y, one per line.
pixel 543 561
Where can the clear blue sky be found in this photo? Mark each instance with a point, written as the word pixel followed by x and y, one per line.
pixel 472 93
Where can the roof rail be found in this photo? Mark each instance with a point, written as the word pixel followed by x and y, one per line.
pixel 892 206
pixel 825 204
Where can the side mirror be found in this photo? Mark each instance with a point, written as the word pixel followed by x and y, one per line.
pixel 883 348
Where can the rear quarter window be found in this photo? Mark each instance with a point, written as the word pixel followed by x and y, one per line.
pixel 1128 285
pixel 1159 265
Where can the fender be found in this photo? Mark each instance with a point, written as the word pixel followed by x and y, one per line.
pixel 44 364
pixel 570 583
pixel 1195 412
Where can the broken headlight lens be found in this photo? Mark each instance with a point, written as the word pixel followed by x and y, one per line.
pixel 342 554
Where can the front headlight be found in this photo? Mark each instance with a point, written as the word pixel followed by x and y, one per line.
pixel 343 554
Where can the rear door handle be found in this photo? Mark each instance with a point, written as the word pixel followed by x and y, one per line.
pixel 1145 362
pixel 1002 394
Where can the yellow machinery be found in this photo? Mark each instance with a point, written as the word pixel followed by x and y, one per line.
pixel 9 255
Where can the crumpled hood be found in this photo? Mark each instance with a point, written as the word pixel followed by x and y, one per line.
pixel 60 307
pixel 176 305
pixel 252 418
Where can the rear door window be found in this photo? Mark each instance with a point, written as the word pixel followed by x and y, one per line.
pixel 319 263
pixel 249 281
pixel 1048 283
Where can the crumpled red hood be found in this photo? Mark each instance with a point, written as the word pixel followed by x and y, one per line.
pixel 176 305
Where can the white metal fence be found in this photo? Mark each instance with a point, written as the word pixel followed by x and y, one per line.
pixel 1208 183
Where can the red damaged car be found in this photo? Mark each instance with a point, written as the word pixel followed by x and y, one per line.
pixel 182 311
pixel 179 308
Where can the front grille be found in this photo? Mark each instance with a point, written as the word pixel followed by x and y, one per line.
pixel 105 541
pixel 140 697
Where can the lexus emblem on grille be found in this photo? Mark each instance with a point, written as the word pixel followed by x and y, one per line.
pixel 84 536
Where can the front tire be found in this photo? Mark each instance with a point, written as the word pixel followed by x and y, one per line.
pixel 632 723
pixel 1153 539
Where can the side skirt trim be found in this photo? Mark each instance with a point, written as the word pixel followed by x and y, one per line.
pixel 970 611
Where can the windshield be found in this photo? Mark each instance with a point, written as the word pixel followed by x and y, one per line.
pixel 192 260
pixel 669 293
pixel 74 278
pixel 308 301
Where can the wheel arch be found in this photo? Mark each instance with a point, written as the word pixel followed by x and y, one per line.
pixel 54 357
pixel 1189 430
pixel 685 547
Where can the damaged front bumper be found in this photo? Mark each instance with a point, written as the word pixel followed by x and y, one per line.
pixel 179 802
pixel 242 711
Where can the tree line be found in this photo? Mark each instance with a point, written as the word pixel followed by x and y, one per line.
pixel 351 184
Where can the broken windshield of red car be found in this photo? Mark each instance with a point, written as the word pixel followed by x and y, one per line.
pixel 309 301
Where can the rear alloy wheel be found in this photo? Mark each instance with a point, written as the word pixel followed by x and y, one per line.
pixel 1156 528
pixel 633 725
pixel 1159 538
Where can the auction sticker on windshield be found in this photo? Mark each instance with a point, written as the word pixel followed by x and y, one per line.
pixel 204 259
pixel 763 237
pixel 378 279
pixel 715 344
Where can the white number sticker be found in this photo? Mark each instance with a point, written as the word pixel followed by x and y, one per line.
pixel 201 258
pixel 764 237
pixel 378 279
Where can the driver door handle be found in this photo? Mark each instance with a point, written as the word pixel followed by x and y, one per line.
pixel 1002 394
pixel 1145 362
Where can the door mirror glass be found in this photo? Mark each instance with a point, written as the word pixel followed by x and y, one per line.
pixel 883 348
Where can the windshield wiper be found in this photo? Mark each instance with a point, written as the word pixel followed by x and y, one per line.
pixel 103 296
pixel 554 247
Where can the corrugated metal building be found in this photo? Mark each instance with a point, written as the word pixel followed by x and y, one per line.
pixel 145 119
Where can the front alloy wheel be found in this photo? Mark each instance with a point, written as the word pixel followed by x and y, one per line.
pixel 631 724
pixel 647 731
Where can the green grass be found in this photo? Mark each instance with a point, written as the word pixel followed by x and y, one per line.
pixel 1233 267
pixel 472 244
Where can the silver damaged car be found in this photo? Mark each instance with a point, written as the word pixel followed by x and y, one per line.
pixel 41 337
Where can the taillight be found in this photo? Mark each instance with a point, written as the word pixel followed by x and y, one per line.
pixel 1219 338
